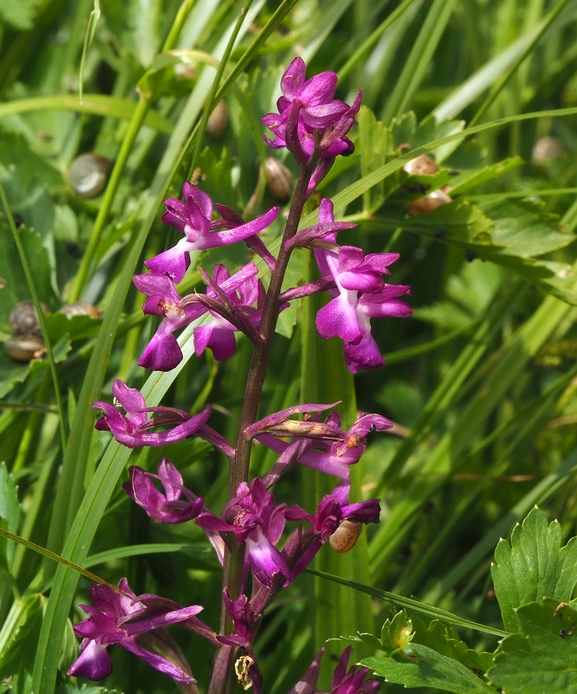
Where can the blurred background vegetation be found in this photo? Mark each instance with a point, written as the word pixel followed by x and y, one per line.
pixel 481 382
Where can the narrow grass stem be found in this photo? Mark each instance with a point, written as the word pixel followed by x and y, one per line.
pixel 87 260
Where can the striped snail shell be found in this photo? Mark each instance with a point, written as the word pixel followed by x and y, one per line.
pixel 279 179
pixel 422 165
pixel 345 536
pixel 80 308
pixel 25 347
pixel 88 174
pixel 24 319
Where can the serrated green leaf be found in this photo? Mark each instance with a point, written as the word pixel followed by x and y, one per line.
pixel 533 566
pixel 523 229
pixel 445 640
pixel 543 658
pixel 420 666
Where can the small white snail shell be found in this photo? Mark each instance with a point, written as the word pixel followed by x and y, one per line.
pixel 434 199
pixel 218 120
pixel 345 536
pixel 25 347
pixel 279 179
pixel 88 174
pixel 422 165
pixel 546 148
pixel 80 308
pixel 24 319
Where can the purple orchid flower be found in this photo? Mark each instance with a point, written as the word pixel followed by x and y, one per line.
pixel 332 456
pixel 241 298
pixel 308 109
pixel 167 507
pixel 121 617
pixel 332 510
pixel 193 217
pixel 343 682
pixel 256 521
pixel 133 429
pixel 311 123
pixel 163 352
pixel 359 294
pixel 233 295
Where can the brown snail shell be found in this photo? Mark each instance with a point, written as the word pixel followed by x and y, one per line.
pixel 25 347
pixel 218 120
pixel 345 536
pixel 420 166
pixel 88 174
pixel 24 319
pixel 434 199
pixel 80 308
pixel 279 179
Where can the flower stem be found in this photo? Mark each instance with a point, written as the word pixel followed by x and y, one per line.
pixel 233 562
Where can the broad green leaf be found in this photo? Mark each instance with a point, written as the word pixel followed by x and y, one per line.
pixel 19 635
pixel 543 657
pixel 9 513
pixel 420 666
pixel 523 229
pixel 466 181
pixel 19 13
pixel 533 566
pixel 136 26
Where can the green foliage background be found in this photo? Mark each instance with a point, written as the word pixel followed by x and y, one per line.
pixel 481 382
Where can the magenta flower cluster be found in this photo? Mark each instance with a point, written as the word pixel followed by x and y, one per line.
pixel 276 542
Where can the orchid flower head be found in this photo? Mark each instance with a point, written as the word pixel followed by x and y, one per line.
pixel 120 617
pixel 168 507
pixel 193 216
pixel 133 428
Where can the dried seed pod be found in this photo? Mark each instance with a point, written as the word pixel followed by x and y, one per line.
pixel 430 202
pixel 545 149
pixel 420 166
pixel 25 347
pixel 345 536
pixel 88 174
pixel 279 179
pixel 218 120
pixel 80 308
pixel 24 319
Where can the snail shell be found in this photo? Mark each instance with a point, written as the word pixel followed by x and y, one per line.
pixel 80 308
pixel 430 202
pixel 88 174
pixel 218 120
pixel 279 179
pixel 345 536
pixel 25 347
pixel 24 319
pixel 546 148
pixel 422 165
